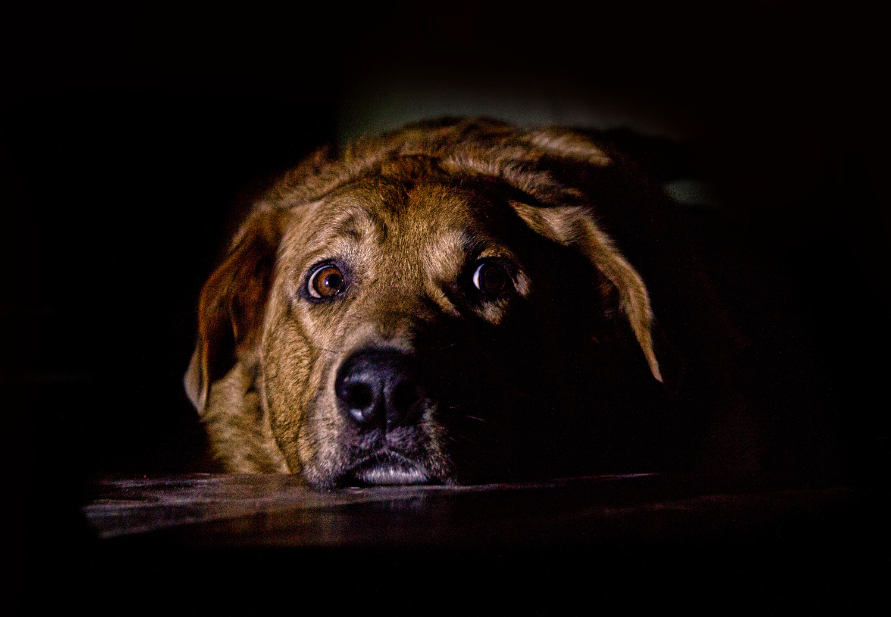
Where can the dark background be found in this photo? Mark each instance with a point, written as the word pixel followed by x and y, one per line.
pixel 131 136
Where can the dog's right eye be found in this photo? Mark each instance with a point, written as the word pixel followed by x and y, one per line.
pixel 325 282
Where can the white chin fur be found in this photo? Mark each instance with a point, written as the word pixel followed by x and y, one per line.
pixel 387 473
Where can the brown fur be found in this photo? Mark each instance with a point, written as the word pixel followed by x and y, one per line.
pixel 408 216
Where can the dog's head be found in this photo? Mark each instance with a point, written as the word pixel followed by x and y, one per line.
pixel 437 305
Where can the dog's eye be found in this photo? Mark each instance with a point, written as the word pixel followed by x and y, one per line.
pixel 491 278
pixel 325 282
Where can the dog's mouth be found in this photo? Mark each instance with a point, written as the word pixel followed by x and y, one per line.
pixel 386 467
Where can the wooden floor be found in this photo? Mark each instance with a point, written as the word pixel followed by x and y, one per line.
pixel 275 510
pixel 239 543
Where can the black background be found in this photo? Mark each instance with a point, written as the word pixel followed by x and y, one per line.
pixel 132 136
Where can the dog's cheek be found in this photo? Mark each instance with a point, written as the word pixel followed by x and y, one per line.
pixel 289 385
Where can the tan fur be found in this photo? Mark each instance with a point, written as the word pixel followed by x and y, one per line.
pixel 403 211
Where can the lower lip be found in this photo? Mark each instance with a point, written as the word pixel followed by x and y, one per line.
pixel 391 473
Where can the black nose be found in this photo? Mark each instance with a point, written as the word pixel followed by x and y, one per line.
pixel 378 388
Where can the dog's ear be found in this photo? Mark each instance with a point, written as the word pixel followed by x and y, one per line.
pixel 233 302
pixel 575 226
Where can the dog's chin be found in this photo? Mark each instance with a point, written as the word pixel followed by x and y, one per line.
pixel 385 470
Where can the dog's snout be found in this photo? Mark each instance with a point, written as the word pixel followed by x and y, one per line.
pixel 378 388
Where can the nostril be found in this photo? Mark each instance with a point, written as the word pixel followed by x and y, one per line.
pixel 358 396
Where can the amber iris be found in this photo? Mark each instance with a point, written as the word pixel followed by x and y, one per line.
pixel 326 282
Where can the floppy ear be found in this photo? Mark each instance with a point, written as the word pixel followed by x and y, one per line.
pixel 232 304
pixel 575 226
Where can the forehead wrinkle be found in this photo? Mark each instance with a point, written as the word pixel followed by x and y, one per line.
pixel 341 223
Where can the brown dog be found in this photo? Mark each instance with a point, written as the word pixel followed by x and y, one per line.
pixel 441 304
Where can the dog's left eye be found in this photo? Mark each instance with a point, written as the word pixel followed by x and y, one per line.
pixel 491 278
pixel 326 281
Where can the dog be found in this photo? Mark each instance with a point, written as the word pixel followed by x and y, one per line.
pixel 446 303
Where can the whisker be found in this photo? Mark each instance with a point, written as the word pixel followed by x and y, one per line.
pixel 462 438
pixel 469 417
pixel 331 351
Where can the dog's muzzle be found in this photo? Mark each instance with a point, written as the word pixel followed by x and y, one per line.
pixel 381 395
